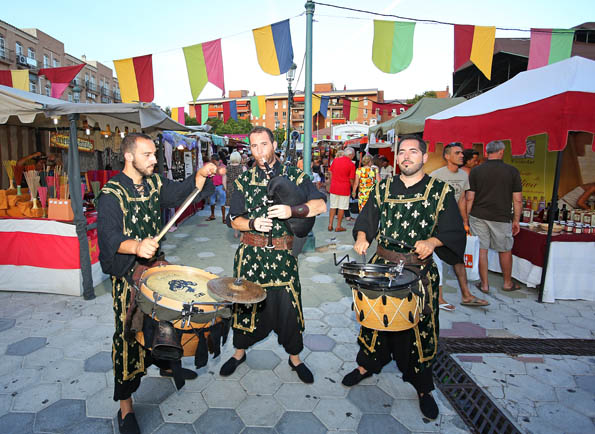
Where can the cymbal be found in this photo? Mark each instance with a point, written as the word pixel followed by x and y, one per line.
pixel 236 290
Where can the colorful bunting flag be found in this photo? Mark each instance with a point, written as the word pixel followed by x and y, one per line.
pixel 324 105
pixel 353 112
pixel 177 114
pixel 233 109
pixel 315 104
pixel 204 113
pixel 258 105
pixel 17 78
pixel 204 63
pixel 392 49
pixel 549 46
pixel 273 47
pixel 475 43
pixel 226 111
pixel 61 77
pixel 135 76
pixel 346 108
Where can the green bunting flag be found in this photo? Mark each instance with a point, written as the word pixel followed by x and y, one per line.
pixel 392 50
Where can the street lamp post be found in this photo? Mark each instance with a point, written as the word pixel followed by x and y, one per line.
pixel 290 76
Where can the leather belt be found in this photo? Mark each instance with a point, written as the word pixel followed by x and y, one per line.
pixel 396 257
pixel 257 240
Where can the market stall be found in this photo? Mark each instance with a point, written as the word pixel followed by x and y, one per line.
pixel 557 100
pixel 25 111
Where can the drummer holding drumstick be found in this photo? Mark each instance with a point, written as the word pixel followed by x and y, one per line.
pixel 411 210
pixel 129 217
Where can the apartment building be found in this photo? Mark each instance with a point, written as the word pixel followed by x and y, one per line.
pixel 33 49
pixel 277 110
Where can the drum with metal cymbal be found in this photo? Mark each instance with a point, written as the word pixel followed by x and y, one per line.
pixel 385 297
pixel 180 309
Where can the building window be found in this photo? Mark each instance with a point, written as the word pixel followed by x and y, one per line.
pixel 365 112
pixel 31 53
pixel 46 61
pixel 284 104
pixel 276 105
pixel 284 125
pixel 284 114
pixel 19 49
pixel 32 87
pixel 276 115
pixel 264 116
pixel 76 97
pixel 365 122
pixel 48 89
pixel 365 100
pixel 69 96
pixel 56 63
pixel 3 53
pixel 276 124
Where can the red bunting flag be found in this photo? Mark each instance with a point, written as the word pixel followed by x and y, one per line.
pixel 346 108
pixel 61 77
pixel 475 44
pixel 135 77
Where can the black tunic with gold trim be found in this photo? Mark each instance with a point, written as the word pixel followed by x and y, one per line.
pixel 126 211
pixel 275 270
pixel 424 210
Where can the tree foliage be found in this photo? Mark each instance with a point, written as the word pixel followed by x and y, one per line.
pixel 241 126
pixel 416 98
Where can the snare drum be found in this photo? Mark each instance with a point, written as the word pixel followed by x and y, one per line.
pixel 179 295
pixel 385 298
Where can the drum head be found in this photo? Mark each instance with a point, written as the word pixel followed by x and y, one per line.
pixel 379 277
pixel 179 283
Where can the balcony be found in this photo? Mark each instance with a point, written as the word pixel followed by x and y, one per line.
pixel 104 91
pixel 91 86
pixel 32 62
pixel 6 55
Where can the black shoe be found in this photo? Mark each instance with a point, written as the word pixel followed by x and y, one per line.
pixel 187 374
pixel 428 406
pixel 129 425
pixel 303 372
pixel 230 366
pixel 354 377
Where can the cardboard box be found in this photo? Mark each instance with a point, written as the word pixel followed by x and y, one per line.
pixel 60 209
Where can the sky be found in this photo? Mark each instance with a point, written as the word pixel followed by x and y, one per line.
pixel 342 39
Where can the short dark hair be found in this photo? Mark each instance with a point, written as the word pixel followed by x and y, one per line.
pixel 423 146
pixel 258 130
pixel 468 155
pixel 129 142
pixel 451 145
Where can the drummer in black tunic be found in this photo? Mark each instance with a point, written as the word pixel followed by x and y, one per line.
pixel 129 217
pixel 420 211
pixel 276 269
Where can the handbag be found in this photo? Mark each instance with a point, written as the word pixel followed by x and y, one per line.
pixel 471 257
pixel 353 206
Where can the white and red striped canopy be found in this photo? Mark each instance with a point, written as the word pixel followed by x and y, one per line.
pixel 555 99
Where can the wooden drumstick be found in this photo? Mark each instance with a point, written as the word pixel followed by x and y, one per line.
pixel 178 213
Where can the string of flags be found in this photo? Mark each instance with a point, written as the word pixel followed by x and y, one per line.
pixel 392 52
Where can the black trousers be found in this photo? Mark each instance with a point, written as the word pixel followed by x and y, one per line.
pixel 125 389
pixel 276 313
pixel 397 346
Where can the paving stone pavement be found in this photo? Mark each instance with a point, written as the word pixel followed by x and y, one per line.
pixel 55 361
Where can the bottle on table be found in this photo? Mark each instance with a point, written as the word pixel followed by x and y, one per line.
pixel 564 213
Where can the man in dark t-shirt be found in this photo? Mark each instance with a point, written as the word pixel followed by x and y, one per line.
pixel 494 189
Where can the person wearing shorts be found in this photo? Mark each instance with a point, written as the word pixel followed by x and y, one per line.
pixel 342 177
pixel 218 198
pixel 494 188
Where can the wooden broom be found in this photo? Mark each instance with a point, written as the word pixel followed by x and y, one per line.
pixel 32 178
pixel 9 167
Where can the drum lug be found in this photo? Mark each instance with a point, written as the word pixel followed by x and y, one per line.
pixel 385 320
pixel 360 296
pixel 411 317
pixel 384 301
pixel 409 297
pixel 352 306
pixel 361 315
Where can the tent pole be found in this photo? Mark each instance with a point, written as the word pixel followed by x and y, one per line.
pixel 550 221
pixel 160 157
pixel 74 184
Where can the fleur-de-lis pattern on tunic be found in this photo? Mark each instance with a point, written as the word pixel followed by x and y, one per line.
pixel 276 270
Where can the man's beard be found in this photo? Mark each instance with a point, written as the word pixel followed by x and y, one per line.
pixel 411 170
pixel 270 159
pixel 143 171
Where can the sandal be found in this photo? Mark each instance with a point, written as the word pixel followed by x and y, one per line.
pixel 447 307
pixel 210 218
pixel 478 286
pixel 475 302
pixel 515 287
